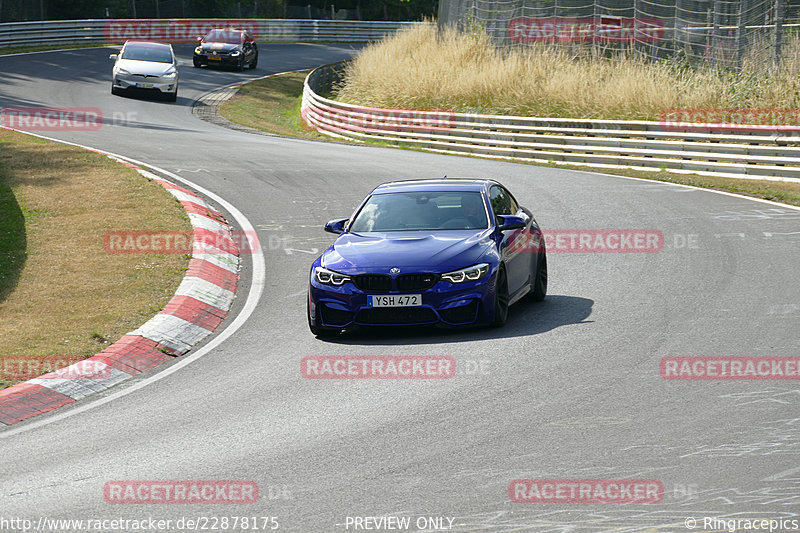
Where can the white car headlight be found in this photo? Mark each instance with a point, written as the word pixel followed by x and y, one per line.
pixel 329 277
pixel 235 54
pixel 122 71
pixel 170 74
pixel 198 50
pixel 472 273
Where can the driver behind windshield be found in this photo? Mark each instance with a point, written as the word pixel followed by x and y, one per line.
pixel 472 208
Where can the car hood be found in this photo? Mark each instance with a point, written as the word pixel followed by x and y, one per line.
pixel 432 252
pixel 151 68
pixel 219 47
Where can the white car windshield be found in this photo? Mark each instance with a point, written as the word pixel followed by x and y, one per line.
pixel 422 211
pixel 144 52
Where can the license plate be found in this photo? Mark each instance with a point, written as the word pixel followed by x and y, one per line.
pixel 214 58
pixel 144 85
pixel 395 300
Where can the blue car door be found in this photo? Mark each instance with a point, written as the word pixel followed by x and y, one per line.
pixel 517 259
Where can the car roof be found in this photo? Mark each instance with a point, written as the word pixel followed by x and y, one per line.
pixel 227 30
pixel 439 184
pixel 149 44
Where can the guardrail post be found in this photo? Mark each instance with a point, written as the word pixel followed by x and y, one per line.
pixel 676 38
pixel 709 35
pixel 716 41
pixel 741 39
pixel 776 57
pixel 637 11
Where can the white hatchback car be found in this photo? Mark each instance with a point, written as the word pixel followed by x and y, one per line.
pixel 145 66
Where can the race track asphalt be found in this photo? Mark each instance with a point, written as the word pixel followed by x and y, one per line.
pixel 569 389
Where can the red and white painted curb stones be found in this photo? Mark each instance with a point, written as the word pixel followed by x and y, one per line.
pixel 201 302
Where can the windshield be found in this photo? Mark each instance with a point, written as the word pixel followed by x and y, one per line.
pixel 145 52
pixel 421 211
pixel 224 36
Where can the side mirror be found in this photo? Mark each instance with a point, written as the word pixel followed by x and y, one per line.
pixel 113 56
pixel 199 39
pixel 336 226
pixel 507 222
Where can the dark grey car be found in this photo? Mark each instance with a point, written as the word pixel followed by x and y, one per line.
pixel 226 47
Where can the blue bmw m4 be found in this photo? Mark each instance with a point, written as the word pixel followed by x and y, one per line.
pixel 439 251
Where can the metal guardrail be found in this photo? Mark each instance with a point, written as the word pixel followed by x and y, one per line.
pixel 639 145
pixel 96 30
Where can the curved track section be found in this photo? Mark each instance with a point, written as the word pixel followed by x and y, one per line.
pixel 569 389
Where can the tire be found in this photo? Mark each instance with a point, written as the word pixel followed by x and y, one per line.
pixel 540 281
pixel 115 91
pixel 196 63
pixel 254 62
pixel 319 330
pixel 500 299
pixel 172 97
pixel 240 65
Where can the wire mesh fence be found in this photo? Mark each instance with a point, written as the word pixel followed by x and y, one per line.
pixel 728 33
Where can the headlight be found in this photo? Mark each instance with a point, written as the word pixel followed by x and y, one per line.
pixel 170 74
pixel 235 53
pixel 122 71
pixel 329 277
pixel 198 50
pixel 472 273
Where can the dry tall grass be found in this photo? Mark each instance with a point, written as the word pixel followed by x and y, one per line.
pixel 424 68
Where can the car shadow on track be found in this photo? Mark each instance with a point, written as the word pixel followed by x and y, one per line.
pixel 147 96
pixel 524 319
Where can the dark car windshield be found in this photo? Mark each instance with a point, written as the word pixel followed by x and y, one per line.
pixel 147 52
pixel 224 36
pixel 421 211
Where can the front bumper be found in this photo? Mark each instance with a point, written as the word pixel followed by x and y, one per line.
pixel 445 303
pixel 219 59
pixel 136 82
